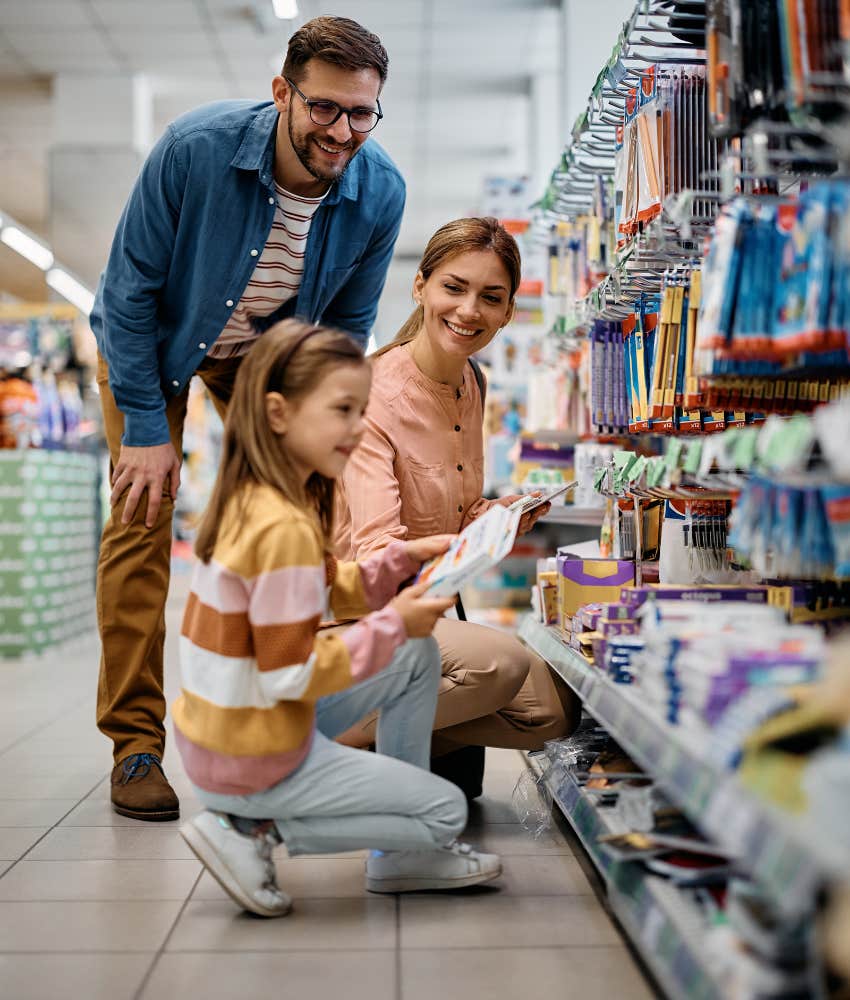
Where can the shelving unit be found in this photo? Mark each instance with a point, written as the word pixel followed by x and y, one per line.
pixel 579 516
pixel 661 922
pixel 788 856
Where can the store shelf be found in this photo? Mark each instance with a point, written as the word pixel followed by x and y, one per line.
pixel 788 857
pixel 581 516
pixel 663 924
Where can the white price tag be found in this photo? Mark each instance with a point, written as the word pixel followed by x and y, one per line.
pixel 653 925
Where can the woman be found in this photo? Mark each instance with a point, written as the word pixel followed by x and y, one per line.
pixel 419 470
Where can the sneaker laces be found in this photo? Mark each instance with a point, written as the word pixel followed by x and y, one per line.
pixel 265 843
pixel 459 847
pixel 135 762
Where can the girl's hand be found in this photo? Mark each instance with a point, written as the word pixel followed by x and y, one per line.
pixel 423 549
pixel 420 613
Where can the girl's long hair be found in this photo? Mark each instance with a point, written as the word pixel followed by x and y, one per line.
pixel 451 240
pixel 251 451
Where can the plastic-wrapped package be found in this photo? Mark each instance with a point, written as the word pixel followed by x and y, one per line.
pixel 532 802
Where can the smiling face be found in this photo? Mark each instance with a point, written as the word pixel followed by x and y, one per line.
pixel 321 429
pixel 465 302
pixel 322 152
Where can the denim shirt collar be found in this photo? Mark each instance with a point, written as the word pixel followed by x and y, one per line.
pixel 257 153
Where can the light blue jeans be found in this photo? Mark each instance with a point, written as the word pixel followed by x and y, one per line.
pixel 341 799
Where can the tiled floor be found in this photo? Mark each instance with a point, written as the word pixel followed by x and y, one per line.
pixel 99 907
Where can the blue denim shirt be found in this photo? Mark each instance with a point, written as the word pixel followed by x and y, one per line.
pixel 182 253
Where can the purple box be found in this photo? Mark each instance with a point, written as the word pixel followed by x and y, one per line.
pixel 616 612
pixel 634 597
pixel 587 581
pixel 589 614
pixel 609 627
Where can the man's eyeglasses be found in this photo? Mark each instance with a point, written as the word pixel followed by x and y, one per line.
pixel 328 112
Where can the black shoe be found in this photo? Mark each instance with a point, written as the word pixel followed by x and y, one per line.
pixel 464 767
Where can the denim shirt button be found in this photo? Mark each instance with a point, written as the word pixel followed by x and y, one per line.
pixel 202 347
pixel 229 303
pixel 254 253
pixel 271 201
pixel 176 384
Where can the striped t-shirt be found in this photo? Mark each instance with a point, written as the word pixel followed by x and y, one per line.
pixel 252 663
pixel 277 276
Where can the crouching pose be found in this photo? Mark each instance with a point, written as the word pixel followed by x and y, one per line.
pixel 264 695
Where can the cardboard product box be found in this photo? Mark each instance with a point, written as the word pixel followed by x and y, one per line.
pixel 616 611
pixel 589 615
pixel 547 590
pixel 591 581
pixel 609 627
pixel 634 597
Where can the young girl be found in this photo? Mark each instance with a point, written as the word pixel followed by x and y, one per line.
pixel 264 695
pixel 420 472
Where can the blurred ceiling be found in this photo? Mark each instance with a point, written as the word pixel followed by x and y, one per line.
pixel 456 102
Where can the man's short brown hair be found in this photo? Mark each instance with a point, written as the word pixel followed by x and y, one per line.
pixel 336 40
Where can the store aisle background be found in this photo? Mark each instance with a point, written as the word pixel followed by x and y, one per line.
pixel 103 907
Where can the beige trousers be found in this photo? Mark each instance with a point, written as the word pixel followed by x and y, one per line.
pixel 132 585
pixel 494 692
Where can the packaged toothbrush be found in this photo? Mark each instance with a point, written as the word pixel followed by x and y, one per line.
pixel 720 278
pixel 836 500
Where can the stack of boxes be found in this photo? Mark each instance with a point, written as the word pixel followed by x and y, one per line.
pixel 48 548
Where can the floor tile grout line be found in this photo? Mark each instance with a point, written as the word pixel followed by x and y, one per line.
pixel 44 725
pixel 161 951
pixel 52 828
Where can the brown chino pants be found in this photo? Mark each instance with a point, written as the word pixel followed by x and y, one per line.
pixel 493 692
pixel 132 585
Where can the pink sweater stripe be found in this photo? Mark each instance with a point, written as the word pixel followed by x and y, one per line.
pixel 230 775
pixel 373 641
pixel 383 572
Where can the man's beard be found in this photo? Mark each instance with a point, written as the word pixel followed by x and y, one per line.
pixel 304 152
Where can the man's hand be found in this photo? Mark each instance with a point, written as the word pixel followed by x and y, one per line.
pixel 419 613
pixel 423 549
pixel 143 469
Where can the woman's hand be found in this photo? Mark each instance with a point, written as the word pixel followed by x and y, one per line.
pixel 423 549
pixel 531 517
pixel 419 613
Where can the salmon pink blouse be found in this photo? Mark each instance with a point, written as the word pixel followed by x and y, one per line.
pixel 419 469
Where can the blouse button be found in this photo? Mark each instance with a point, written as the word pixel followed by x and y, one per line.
pixel 460 508
pixel 457 427
pixel 460 468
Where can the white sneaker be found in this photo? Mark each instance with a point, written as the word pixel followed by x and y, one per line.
pixel 454 866
pixel 240 863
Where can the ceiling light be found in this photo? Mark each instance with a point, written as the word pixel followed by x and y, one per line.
pixel 35 252
pixel 71 289
pixel 285 10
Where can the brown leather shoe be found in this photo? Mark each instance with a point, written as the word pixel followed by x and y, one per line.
pixel 141 790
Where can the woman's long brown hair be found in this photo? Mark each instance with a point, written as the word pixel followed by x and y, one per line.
pixel 290 358
pixel 454 238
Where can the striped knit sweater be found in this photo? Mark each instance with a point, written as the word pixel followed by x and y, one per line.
pixel 252 662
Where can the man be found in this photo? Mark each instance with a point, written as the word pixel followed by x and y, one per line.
pixel 242 214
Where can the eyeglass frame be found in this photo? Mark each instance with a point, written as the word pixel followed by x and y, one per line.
pixel 348 112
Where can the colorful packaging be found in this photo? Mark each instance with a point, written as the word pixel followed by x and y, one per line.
pixel 836 501
pixel 584 581
pixel 634 597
